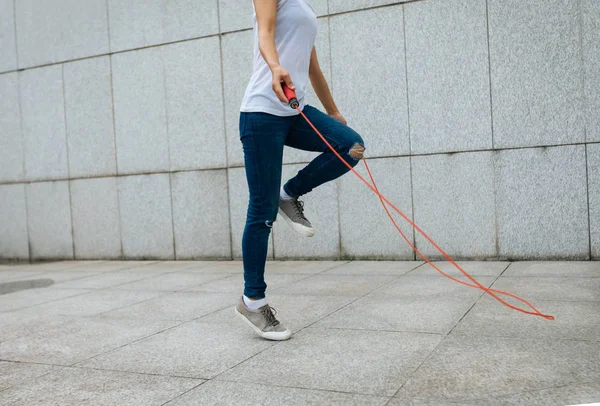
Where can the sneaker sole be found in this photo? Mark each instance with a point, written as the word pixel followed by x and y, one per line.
pixel 299 228
pixel 274 336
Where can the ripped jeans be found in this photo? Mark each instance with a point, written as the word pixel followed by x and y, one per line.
pixel 263 137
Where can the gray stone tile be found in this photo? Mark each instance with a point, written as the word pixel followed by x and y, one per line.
pixel 366 230
pixel 233 16
pixel 593 167
pixel 591 64
pixel 51 32
pixel 162 266
pixel 13 275
pixel 448 76
pixel 437 315
pixel 146 216
pixel 32 297
pixel 201 214
pixel 8 43
pixel 171 282
pixel 140 110
pixel 455 192
pixel 379 364
pixel 14 241
pixel 583 393
pixel 338 6
pixel 237 69
pixel 537 93
pixel 15 373
pixel 200 350
pixel 139 23
pixel 473 268
pixel 69 264
pixel 422 286
pixel 61 276
pixel 17 324
pixel 195 104
pixel 573 320
pixel 76 386
pixel 11 137
pixel 573 269
pixel 96 223
pixel 105 280
pixel 294 311
pixel 179 306
pixel 238 207
pixel 92 303
pixel 322 210
pixel 235 283
pixel 425 402
pixel 221 393
pixel 372 57
pixel 73 339
pixel 541 203
pixel 336 285
pixel 551 288
pixel 49 219
pixel 43 120
pixel 302 267
pixel 392 268
pixel 291 155
pixel 89 114
pixel 89 266
pixel 454 371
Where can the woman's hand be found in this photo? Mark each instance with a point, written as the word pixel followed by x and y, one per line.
pixel 338 116
pixel 281 75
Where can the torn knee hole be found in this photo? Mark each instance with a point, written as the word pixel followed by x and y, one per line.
pixel 357 151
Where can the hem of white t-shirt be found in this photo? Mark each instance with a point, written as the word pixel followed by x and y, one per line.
pixel 269 110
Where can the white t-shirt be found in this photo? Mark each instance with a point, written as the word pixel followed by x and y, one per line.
pixel 295 33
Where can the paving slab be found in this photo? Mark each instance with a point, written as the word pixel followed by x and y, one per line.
pixel 32 297
pixel 76 386
pixel 66 340
pixel 14 373
pixel 235 283
pixel 365 362
pixel 222 267
pixel 235 393
pixel 579 269
pixel 580 394
pixel 468 368
pixel 551 288
pixel 474 268
pixel 302 267
pixel 109 279
pixel 174 281
pixel 573 320
pixel 336 285
pixel 194 350
pixel 391 268
pixel 420 286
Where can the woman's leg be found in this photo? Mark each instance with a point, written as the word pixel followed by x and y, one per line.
pixel 262 136
pixel 325 167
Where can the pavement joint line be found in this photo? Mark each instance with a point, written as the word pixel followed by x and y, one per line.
pixel 376 331
pixel 136 372
pixel 528 337
pixel 499 396
pixel 184 393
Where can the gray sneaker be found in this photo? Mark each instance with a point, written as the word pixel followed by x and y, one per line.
pixel 263 321
pixel 292 211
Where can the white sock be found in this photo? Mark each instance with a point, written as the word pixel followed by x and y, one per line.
pixel 254 304
pixel 284 195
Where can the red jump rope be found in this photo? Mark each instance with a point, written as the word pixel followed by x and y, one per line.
pixel 293 102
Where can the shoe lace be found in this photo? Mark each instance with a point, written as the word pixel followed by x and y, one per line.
pixel 269 314
pixel 299 206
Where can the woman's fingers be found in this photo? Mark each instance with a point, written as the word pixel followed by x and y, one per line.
pixel 280 76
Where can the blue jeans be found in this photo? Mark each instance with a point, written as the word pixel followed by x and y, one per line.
pixel 263 137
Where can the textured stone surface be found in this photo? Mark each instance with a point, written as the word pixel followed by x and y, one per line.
pixel 551 288
pixel 8 43
pixel 32 297
pixel 380 117
pixel 537 93
pixel 591 63
pixel 146 218
pixel 171 282
pixel 11 138
pixel 139 23
pixel 448 76
pixel 541 203
pixel 593 162
pixel 89 114
pixel 52 31
pixel 201 214
pixel 75 386
pixel 566 269
pixel 13 373
pixel 302 267
pixel 140 111
pixel 394 268
pixel 319 359
pixel 14 241
pixel 202 350
pixel 220 393
pixel 49 220
pixel 454 371
pixel 235 283
pixel 338 6
pixel 454 204
pixel 321 208
pixel 573 320
pixel 432 288
pixel 336 285
pixel 109 279
pixel 473 268
pixel 43 120
pixel 366 230
pixel 195 104
pixel 96 222
pixel 238 206
pixel 237 70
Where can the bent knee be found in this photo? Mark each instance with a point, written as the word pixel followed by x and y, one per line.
pixel 357 150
